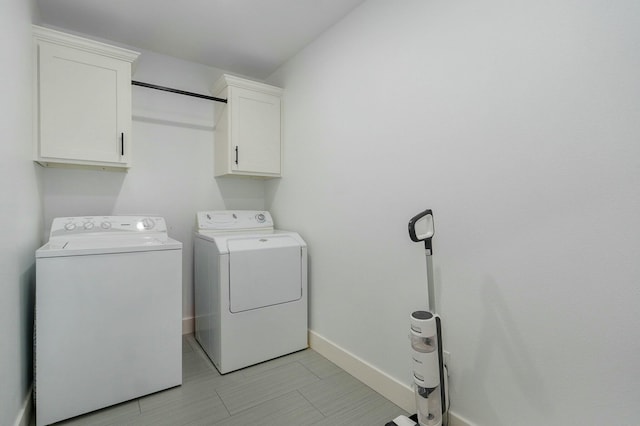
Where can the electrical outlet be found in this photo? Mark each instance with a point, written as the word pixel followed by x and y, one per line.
pixel 447 359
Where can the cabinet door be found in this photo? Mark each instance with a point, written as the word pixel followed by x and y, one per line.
pixel 255 132
pixel 84 113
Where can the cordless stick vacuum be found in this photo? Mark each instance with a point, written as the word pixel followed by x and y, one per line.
pixel 429 372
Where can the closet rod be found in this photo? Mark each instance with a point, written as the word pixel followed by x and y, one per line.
pixel 180 92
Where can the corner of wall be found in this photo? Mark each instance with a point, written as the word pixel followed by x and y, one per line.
pixel 26 412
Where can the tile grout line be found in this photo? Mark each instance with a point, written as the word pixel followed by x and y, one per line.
pixel 223 404
pixel 308 369
pixel 311 403
pixel 320 379
pixel 270 371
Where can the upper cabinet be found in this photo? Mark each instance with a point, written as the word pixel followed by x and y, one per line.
pixel 248 128
pixel 83 101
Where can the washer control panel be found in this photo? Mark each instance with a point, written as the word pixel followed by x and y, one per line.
pixel 234 220
pixel 105 225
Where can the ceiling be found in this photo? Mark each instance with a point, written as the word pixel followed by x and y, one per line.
pixel 247 37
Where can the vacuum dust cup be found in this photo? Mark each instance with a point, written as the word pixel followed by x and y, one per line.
pixel 424 349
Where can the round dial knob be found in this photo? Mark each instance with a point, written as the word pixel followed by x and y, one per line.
pixel 260 217
pixel 70 226
pixel 88 225
pixel 148 223
pixel 105 225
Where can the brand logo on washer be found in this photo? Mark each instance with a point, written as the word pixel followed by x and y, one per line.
pixel 263 240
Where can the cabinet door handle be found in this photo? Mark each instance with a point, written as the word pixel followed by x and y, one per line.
pixel 236 155
pixel 122 144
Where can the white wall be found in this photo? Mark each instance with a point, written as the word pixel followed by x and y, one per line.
pixel 172 174
pixel 518 123
pixel 20 209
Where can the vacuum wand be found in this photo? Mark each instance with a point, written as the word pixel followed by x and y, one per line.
pixel 431 292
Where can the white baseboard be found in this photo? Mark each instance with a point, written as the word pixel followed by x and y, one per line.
pixel 395 391
pixel 455 420
pixel 398 393
pixel 26 412
pixel 188 325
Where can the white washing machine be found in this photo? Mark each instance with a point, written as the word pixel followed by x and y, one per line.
pixel 108 314
pixel 250 289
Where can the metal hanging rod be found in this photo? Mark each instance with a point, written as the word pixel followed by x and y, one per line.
pixel 180 92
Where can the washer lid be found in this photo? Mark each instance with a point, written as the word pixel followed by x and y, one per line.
pixel 88 246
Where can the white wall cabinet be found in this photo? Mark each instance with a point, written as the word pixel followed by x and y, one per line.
pixel 83 101
pixel 248 138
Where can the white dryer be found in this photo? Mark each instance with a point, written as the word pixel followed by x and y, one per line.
pixel 108 317
pixel 250 289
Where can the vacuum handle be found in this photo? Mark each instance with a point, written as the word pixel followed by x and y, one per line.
pixel 421 229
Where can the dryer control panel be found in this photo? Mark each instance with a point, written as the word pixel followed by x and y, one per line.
pixel 234 220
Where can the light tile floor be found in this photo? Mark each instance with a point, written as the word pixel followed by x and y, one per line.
pixel 300 389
